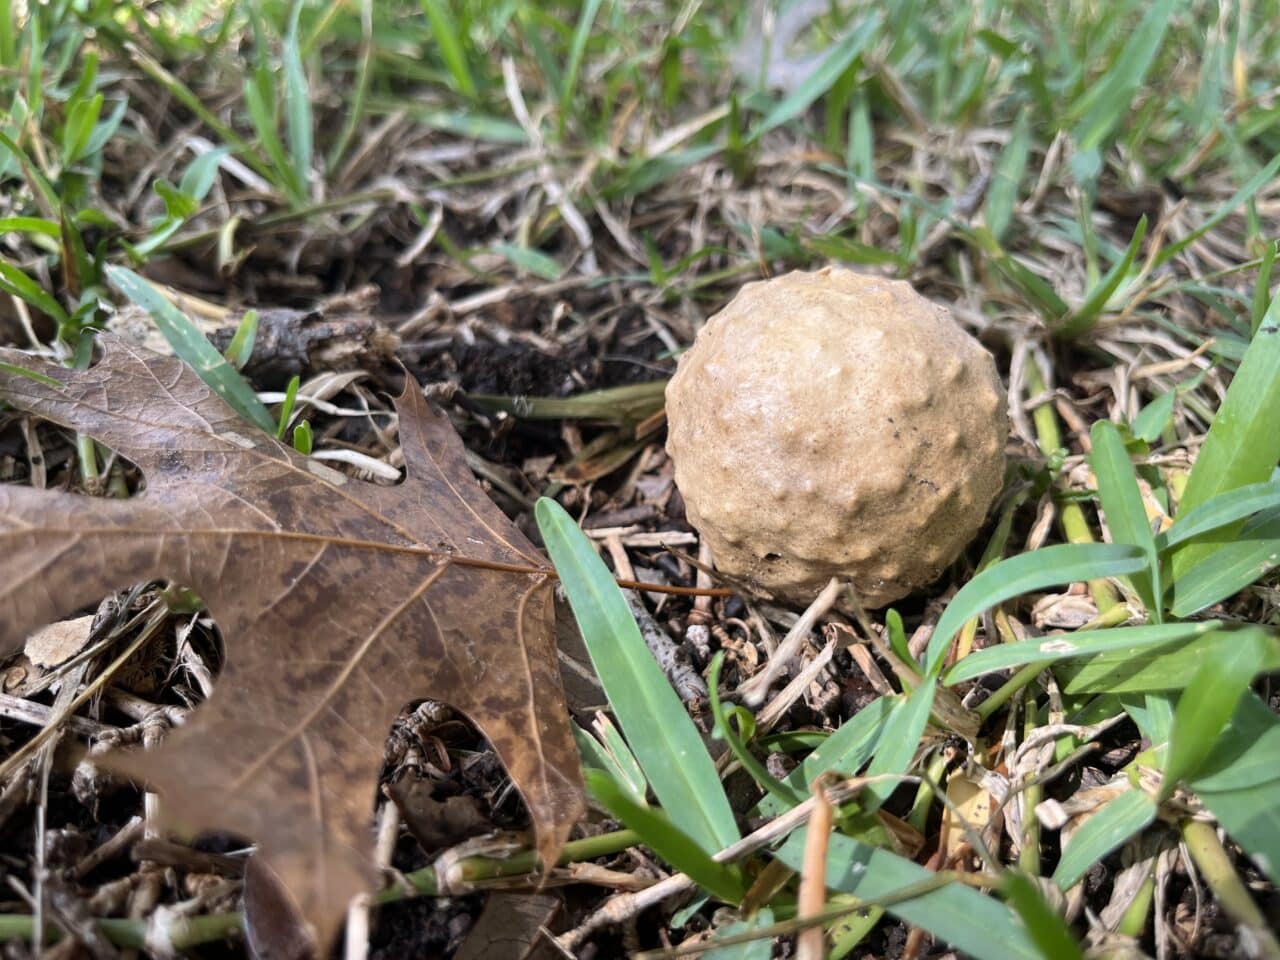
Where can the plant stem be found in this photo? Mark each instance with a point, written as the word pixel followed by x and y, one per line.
pixel 1011 686
pixel 1220 874
pixel 192 931
pixel 1113 618
pixel 1134 920
pixel 88 455
pixel 475 869
pixel 1075 526
pixel 923 802
pixel 132 934
pixel 1029 855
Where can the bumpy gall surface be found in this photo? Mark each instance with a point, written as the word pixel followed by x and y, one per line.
pixel 832 424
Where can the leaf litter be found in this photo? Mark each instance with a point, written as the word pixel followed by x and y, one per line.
pixel 340 601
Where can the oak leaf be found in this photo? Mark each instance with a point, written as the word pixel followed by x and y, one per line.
pixel 339 601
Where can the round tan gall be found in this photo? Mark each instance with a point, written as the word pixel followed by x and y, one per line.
pixel 832 424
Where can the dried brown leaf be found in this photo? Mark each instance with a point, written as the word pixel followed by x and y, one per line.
pixel 339 600
pixel 58 642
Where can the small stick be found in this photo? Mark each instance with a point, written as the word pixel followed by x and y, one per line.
pixel 753 691
pixel 702 606
pixel 109 849
pixel 356 946
pixel 793 691
pixel 811 943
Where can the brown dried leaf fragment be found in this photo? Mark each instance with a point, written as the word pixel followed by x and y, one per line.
pixel 339 600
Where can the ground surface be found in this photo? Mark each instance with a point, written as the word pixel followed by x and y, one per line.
pixel 529 201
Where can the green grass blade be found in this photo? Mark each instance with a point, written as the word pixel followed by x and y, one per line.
pixel 1243 443
pixel 652 718
pixel 898 638
pixel 17 371
pixel 531 261
pixel 39 183
pixel 192 347
pixel 286 408
pixel 667 840
pixel 1230 566
pixel 358 101
pixel 1007 176
pixel 898 743
pixel 105 130
pixel 1103 832
pixel 1035 288
pixel 629 403
pixel 240 349
pixel 197 179
pixel 297 104
pixel 1222 510
pixel 577 48
pixel 841 56
pixel 262 117
pixel 13 281
pixel 303 439
pixel 622 757
pixel 1152 712
pixel 8 35
pixel 36 225
pixel 1122 503
pixel 967 920
pixel 1109 101
pixel 465 123
pixel 845 751
pixel 1239 780
pixel 1246 752
pixel 1262 178
pixel 1262 288
pixel 1150 669
pixel 1251 817
pixel 1081 321
pixel 1072 646
pixel 82 117
pixel 785 794
pixel 594 755
pixel 1047 929
pixel 1151 421
pixel 1208 703
pixel 445 30
pixel 1051 566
